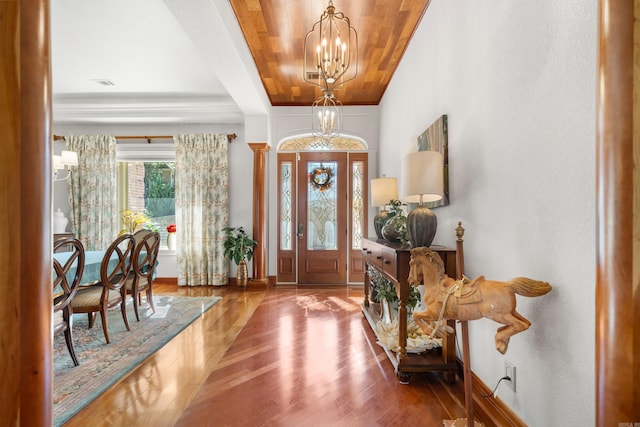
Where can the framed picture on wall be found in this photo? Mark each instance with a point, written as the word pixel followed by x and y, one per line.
pixel 436 138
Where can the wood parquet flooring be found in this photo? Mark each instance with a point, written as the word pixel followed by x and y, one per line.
pixel 281 356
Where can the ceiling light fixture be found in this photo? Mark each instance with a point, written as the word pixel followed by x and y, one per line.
pixel 330 48
pixel 326 115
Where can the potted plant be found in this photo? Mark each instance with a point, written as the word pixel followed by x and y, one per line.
pixel 238 247
pixel 395 228
pixel 133 221
pixel 383 291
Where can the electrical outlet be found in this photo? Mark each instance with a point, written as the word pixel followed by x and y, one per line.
pixel 510 371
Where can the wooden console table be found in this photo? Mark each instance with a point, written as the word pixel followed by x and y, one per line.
pixel 392 260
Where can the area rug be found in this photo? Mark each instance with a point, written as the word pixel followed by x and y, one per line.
pixel 101 364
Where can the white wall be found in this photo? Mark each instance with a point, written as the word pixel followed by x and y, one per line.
pixel 517 80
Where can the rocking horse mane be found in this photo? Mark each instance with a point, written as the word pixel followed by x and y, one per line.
pixel 432 256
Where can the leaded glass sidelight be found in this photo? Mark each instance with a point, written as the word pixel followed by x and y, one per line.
pixel 322 206
pixel 357 208
pixel 286 206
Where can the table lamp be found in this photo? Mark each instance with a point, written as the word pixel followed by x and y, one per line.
pixel 383 190
pixel 422 181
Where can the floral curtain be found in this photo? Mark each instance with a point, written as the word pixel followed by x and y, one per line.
pixel 202 208
pixel 93 190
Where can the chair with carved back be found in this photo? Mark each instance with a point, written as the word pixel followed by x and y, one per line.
pixel 140 279
pixel 66 280
pixel 110 291
pixel 141 234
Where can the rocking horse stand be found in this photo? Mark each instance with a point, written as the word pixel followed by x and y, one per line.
pixel 466 358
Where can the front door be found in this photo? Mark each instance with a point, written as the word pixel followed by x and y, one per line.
pixel 322 218
pixel 321 207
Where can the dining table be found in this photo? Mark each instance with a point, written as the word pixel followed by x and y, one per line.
pixel 92 263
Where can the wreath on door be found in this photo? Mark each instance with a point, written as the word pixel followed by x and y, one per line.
pixel 321 178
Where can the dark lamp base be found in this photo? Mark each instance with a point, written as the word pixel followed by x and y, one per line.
pixel 421 226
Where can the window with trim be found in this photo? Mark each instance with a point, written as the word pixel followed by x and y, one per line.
pixel 146 183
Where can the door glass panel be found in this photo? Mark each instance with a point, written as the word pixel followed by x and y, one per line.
pixel 286 208
pixel 322 206
pixel 357 208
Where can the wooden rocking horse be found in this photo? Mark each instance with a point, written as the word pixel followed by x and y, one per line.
pixel 464 299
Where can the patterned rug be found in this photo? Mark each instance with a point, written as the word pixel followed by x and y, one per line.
pixel 101 364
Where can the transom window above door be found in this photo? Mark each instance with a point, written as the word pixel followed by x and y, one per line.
pixel 311 143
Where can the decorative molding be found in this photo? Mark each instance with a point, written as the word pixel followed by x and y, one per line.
pixel 145 108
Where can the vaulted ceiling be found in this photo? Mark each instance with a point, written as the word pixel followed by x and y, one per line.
pixel 209 61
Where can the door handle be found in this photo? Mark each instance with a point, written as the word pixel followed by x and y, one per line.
pixel 300 231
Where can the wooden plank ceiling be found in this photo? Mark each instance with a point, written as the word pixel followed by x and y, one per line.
pixel 275 31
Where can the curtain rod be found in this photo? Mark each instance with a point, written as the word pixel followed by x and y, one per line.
pixel 230 137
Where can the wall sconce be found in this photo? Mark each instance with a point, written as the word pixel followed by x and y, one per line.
pixel 422 182
pixel 383 190
pixel 65 160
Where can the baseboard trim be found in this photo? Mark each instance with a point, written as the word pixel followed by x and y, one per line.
pixel 492 409
pixel 166 280
pixel 270 281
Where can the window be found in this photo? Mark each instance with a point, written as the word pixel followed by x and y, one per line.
pixel 146 183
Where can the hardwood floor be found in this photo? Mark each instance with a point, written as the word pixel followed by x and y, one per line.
pixel 280 356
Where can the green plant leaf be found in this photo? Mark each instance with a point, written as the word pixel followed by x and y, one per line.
pixel 237 244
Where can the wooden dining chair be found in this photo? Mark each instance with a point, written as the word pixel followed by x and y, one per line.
pixel 110 291
pixel 65 290
pixel 140 279
pixel 141 234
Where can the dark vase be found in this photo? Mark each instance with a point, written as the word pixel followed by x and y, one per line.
pixel 394 229
pixel 378 222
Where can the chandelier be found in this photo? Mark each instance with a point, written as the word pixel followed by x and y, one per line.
pixel 330 48
pixel 326 114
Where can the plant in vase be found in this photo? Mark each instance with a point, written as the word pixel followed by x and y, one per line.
pixel 395 228
pixel 238 247
pixel 384 292
pixel 133 221
pixel 171 236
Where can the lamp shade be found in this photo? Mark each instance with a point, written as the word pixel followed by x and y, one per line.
pixel 57 162
pixel 383 190
pixel 69 158
pixel 422 177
